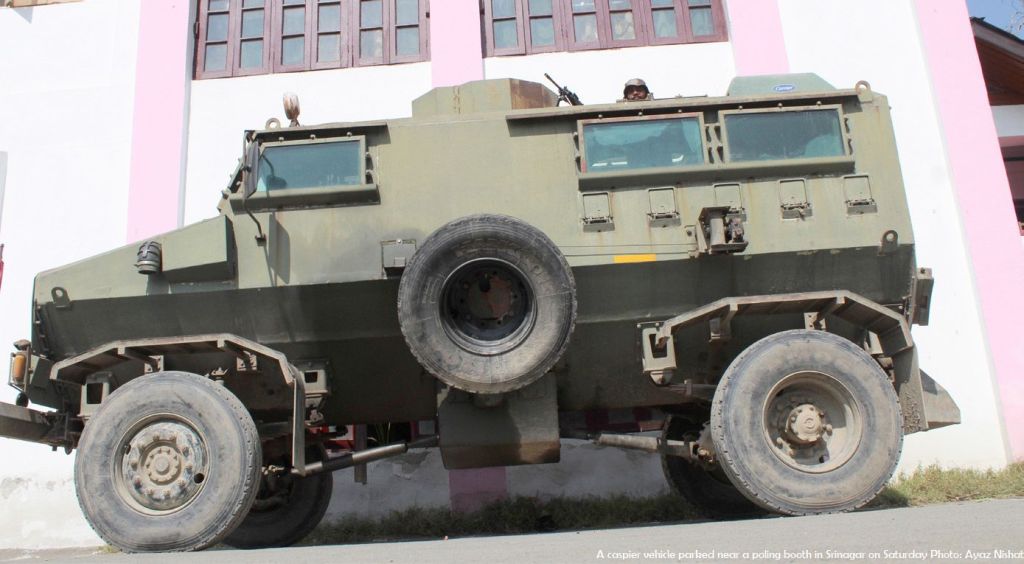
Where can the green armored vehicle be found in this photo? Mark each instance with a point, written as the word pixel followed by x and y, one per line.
pixel 729 282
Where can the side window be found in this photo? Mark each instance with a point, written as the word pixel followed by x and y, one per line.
pixel 306 164
pixel 765 136
pixel 631 143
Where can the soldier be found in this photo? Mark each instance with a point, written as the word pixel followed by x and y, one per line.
pixel 636 91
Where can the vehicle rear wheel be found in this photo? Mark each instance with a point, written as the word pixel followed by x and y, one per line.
pixel 286 509
pixel 806 422
pixel 170 462
pixel 709 490
pixel 487 304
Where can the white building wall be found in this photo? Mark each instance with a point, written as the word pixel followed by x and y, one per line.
pixel 879 42
pixel 66 96
pixel 597 76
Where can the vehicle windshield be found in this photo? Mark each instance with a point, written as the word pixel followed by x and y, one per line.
pixel 625 145
pixel 765 136
pixel 309 165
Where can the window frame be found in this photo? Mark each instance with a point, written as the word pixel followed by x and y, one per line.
pixel 837 108
pixel 643 22
pixel 583 169
pixel 358 139
pixel 348 36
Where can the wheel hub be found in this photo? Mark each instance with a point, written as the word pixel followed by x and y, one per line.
pixel 806 424
pixel 812 422
pixel 163 466
pixel 487 306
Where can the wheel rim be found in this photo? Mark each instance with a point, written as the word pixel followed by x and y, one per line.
pixel 812 422
pixel 161 465
pixel 487 306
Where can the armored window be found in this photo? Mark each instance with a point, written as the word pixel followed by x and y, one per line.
pixel 763 136
pixel 242 37
pixel 516 27
pixel 625 144
pixel 310 165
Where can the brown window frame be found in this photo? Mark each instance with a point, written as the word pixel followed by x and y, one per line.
pixel 348 34
pixel 643 25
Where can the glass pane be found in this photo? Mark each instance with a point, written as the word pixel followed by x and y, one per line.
pixel 252 23
pixel 371 44
pixel 371 14
pixel 217 27
pixel 542 32
pixel 540 7
pixel 408 39
pixel 503 8
pixel 293 50
pixel 582 6
pixel 701 21
pixel 618 5
pixel 700 2
pixel 665 23
pixel 317 165
pixel 252 54
pixel 622 26
pixel 294 2
pixel 662 3
pixel 784 135
pixel 328 48
pixel 218 5
pixel 329 18
pixel 586 28
pixel 643 144
pixel 216 57
pixel 252 4
pixel 408 12
pixel 294 21
pixel 505 34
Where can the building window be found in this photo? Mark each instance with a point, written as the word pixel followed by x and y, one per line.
pixel 518 27
pixel 243 37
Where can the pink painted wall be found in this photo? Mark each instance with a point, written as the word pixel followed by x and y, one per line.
pixel 161 86
pixel 983 194
pixel 455 53
pixel 755 30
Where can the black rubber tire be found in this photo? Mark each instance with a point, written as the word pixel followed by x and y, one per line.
pixel 488 370
pixel 739 428
pixel 286 524
pixel 709 491
pixel 229 485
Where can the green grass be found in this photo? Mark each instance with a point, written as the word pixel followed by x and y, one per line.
pixel 527 515
pixel 935 485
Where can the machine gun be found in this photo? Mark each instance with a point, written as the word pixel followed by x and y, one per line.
pixel 564 93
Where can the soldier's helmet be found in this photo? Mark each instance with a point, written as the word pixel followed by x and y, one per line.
pixel 638 83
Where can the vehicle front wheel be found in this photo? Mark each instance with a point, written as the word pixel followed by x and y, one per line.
pixel 806 422
pixel 170 462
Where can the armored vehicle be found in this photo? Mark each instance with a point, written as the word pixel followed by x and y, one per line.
pixel 488 277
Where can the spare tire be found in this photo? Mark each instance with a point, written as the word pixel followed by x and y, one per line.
pixel 487 304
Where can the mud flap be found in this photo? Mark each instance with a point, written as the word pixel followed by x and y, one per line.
pixel 939 408
pixel 521 429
